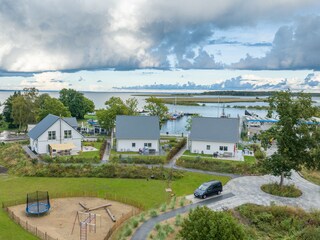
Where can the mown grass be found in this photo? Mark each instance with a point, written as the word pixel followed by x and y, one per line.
pixel 282 191
pixel 250 159
pixel 149 193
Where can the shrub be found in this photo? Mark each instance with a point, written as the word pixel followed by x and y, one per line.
pixel 142 218
pixel 178 220
pixel 127 232
pixel 153 213
pixel 157 226
pixel 203 222
pixel 102 149
pixel 163 207
pixel 282 191
pixel 176 148
pixel 167 228
pixel 217 165
pixel 182 201
pixel 134 223
pixel 259 155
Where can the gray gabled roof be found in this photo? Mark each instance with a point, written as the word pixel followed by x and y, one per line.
pixel 224 130
pixel 72 121
pixel 137 127
pixel 47 122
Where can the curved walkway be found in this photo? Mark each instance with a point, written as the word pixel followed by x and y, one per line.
pixel 247 190
pixel 243 190
pixel 144 230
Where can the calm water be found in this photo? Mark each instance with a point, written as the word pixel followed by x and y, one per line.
pixel 173 127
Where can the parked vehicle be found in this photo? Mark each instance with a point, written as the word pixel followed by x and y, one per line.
pixel 208 188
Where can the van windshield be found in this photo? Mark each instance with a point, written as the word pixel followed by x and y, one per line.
pixel 203 187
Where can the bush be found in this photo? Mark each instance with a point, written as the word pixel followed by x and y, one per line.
pixel 163 207
pixel 70 159
pixel 259 155
pixel 217 165
pixel 176 148
pixel 141 217
pixel 178 220
pixel 153 213
pixel 127 232
pixel 138 159
pixel 134 223
pixel 203 222
pixel 282 191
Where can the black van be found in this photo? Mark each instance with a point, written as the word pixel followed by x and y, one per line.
pixel 208 188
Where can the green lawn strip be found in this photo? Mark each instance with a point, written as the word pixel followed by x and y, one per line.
pixel 148 193
pixel 250 159
pixel 188 153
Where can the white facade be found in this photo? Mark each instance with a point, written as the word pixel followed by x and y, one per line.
pixel 41 144
pixel 133 145
pixel 204 147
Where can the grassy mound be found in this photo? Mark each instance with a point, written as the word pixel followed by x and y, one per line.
pixel 284 191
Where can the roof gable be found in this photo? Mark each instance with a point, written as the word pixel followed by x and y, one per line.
pixel 47 122
pixel 42 126
pixel 215 129
pixel 137 127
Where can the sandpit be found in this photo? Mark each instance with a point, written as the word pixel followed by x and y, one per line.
pixel 59 221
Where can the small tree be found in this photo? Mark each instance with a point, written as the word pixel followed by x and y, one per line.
pixel 156 107
pixel 295 135
pixel 203 223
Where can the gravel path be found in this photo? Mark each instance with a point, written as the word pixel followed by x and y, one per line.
pixel 144 230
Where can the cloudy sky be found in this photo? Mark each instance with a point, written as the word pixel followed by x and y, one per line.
pixel 96 45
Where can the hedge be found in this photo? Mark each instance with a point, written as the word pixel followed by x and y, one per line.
pixel 215 165
pixel 138 159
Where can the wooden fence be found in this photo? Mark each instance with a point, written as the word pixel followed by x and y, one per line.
pixel 120 221
pixel 34 230
pixel 46 236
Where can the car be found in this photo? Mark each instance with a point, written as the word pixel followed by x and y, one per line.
pixel 208 188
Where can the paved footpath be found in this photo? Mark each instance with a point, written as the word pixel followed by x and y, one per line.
pixel 247 190
pixel 144 230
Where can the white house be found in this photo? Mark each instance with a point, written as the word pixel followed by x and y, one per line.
pixel 55 135
pixel 210 135
pixel 134 133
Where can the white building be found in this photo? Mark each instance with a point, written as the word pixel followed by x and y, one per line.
pixel 214 135
pixel 54 135
pixel 134 133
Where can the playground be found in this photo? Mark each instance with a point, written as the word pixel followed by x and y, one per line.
pixel 66 215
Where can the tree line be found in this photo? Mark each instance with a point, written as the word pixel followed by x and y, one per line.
pixel 29 107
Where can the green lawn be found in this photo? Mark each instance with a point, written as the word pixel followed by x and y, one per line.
pixel 250 159
pixel 188 153
pixel 149 193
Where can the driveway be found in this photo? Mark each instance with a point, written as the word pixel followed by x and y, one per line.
pixel 247 190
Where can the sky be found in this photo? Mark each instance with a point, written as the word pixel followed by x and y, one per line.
pixel 97 45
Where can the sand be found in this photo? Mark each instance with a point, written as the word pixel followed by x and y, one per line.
pixel 59 221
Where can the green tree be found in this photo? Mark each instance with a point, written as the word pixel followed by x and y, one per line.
pixel 115 106
pixel 297 141
pixel 189 121
pixel 20 112
pixel 76 102
pixel 203 223
pixel 7 109
pixel 156 107
pixel 53 106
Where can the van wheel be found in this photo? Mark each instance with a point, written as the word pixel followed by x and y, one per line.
pixel 204 196
pixel 219 192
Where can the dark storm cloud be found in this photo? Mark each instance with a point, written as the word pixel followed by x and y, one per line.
pixel 124 35
pixel 295 47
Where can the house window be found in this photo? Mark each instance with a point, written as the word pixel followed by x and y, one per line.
pixel 223 148
pixel 208 147
pixel 51 135
pixel 148 144
pixel 67 134
pixel 133 144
